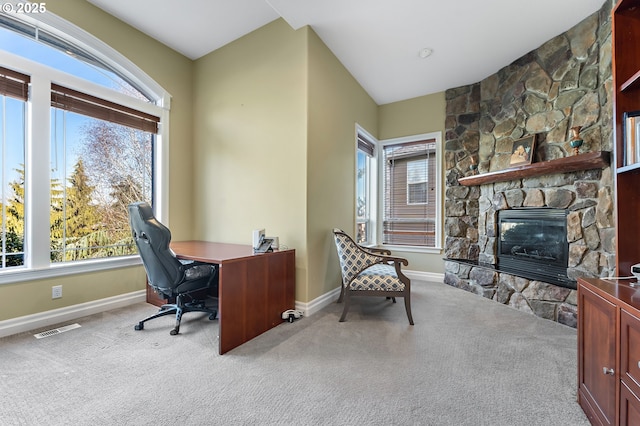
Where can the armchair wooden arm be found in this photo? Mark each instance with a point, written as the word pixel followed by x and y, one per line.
pixel 376 250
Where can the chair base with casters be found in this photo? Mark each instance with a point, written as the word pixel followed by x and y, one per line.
pixel 179 308
pixel 370 272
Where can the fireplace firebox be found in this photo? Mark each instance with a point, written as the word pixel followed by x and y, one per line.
pixel 532 243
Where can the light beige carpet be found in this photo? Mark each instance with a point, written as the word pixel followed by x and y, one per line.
pixel 467 361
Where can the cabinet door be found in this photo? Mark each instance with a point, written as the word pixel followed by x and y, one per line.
pixel 597 373
pixel 630 350
pixel 629 407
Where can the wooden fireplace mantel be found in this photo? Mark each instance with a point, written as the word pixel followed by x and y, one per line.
pixel 588 161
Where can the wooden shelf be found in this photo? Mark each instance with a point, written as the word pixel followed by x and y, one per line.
pixel 588 161
pixel 632 83
pixel 627 169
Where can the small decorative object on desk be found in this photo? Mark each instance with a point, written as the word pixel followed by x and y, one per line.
pixel 576 141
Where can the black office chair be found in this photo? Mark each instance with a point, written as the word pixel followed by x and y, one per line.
pixel 170 277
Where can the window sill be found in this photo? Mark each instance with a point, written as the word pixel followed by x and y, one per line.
pixel 412 249
pixel 58 270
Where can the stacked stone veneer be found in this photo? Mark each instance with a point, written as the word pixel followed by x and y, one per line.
pixel 564 83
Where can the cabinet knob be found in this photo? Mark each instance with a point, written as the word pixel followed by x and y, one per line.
pixel 609 371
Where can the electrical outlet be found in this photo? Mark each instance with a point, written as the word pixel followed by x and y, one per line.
pixel 56 292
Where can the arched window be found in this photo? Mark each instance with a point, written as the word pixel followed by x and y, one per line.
pixel 80 135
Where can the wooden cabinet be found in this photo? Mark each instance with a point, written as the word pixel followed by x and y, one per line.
pixel 629 368
pixel 625 25
pixel 597 357
pixel 609 351
pixel 609 311
pixel 629 407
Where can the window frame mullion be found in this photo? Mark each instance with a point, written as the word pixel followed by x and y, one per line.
pixel 38 175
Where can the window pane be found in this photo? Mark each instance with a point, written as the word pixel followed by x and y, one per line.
pixel 99 168
pixel 409 194
pixel 12 141
pixel 362 198
pixel 417 181
pixel 417 193
pixel 56 53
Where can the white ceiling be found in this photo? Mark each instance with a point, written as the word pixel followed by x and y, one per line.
pixel 378 41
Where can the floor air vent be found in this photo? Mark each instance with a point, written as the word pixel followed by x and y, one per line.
pixel 56 331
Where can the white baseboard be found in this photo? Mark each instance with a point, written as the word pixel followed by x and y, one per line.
pixel 318 303
pixel 424 276
pixel 69 313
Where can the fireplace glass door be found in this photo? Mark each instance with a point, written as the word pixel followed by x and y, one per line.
pixel 533 243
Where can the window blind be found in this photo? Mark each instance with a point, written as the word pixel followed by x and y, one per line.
pixel 14 84
pixel 81 103
pixel 409 193
pixel 365 145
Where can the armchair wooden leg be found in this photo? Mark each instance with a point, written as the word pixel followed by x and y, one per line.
pixel 407 306
pixel 341 293
pixel 347 302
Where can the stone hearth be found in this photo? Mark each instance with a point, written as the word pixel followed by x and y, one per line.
pixel 564 83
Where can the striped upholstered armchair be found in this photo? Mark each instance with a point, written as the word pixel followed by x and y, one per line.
pixel 370 272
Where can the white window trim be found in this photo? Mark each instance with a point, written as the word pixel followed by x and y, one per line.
pixel 37 177
pixel 373 186
pixel 437 136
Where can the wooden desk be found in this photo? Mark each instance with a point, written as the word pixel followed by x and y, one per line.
pixel 254 289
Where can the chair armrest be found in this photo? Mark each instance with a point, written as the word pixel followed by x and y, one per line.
pixel 188 263
pixel 193 269
pixel 397 262
pixel 375 250
pixel 385 256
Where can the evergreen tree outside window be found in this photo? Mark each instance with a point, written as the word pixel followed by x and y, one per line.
pixel 101 166
pixel 13 96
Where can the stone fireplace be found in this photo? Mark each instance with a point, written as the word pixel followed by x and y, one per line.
pixel 564 83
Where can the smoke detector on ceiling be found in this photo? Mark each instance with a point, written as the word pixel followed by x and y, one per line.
pixel 425 53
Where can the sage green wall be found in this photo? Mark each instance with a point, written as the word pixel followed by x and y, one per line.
pixel 336 103
pixel 251 141
pixel 415 116
pixel 275 116
pixel 174 73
